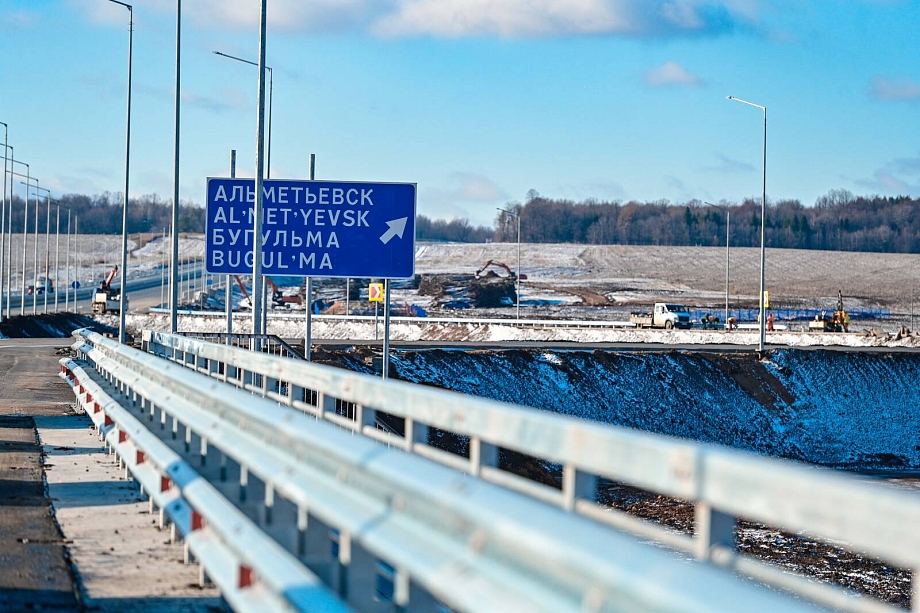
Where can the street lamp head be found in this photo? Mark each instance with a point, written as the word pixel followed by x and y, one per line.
pixel 729 97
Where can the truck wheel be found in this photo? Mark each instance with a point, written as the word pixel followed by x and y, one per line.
pixel 668 325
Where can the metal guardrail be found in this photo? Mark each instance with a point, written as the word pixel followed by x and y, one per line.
pixel 386 530
pixel 723 484
pixel 269 343
pixel 525 323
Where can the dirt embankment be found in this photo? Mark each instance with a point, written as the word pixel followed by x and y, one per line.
pixel 844 410
pixel 837 409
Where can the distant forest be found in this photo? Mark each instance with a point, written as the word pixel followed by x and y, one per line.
pixel 838 220
pixel 102 214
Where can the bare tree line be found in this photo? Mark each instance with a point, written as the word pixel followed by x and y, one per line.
pixel 839 220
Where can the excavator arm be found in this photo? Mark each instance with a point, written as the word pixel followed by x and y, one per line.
pixel 242 287
pixel 498 265
pixel 108 280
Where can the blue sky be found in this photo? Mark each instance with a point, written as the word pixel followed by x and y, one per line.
pixel 477 101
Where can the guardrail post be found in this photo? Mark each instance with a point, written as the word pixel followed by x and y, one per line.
pixel 204 451
pixel 481 454
pixel 343 544
pixel 303 522
pixel 269 504
pixel 577 485
pixel 713 529
pixel 325 403
pixel 415 433
pixel 365 416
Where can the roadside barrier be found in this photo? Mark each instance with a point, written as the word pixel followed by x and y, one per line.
pixel 384 526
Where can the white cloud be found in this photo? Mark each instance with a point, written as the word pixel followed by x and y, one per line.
pixel 896 89
pixel 526 18
pixel 671 73
pixel 896 178
pixel 463 197
pixel 283 15
pixel 729 165
pixel 18 20
pixel 907 166
pixel 462 18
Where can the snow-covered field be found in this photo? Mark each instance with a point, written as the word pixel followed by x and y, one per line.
pixel 628 277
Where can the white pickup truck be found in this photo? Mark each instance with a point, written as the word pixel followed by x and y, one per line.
pixel 665 315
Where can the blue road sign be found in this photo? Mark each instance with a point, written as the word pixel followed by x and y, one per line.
pixel 75 284
pixel 313 228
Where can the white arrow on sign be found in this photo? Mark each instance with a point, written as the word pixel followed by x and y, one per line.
pixel 397 227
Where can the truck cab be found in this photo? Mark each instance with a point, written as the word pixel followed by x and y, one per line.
pixel 664 315
pixel 670 315
pixel 40 285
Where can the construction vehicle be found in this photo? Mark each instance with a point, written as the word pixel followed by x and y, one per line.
pixel 279 300
pixel 106 299
pixel 511 273
pixel 40 285
pixel 838 321
pixel 665 315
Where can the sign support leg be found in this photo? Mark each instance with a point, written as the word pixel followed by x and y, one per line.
pixel 308 290
pixel 386 327
pixel 228 290
pixel 308 332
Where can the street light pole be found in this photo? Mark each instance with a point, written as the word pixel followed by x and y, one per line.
pixel 517 280
pixel 25 243
pixel 67 269
pixel 4 263
pixel 174 242
pixel 257 287
pixel 763 225
pixel 271 97
pixel 57 258
pixel 47 250
pixel 728 231
pixel 9 240
pixel 123 304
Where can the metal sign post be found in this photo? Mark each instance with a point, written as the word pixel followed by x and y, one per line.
pixel 228 290
pixel 386 328
pixel 308 290
pixel 375 294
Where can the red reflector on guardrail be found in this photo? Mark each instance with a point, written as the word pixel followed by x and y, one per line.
pixel 197 521
pixel 247 577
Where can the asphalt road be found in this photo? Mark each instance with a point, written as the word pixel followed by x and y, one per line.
pixel 34 571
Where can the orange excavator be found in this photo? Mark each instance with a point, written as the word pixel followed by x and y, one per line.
pixel 481 271
pixel 278 299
